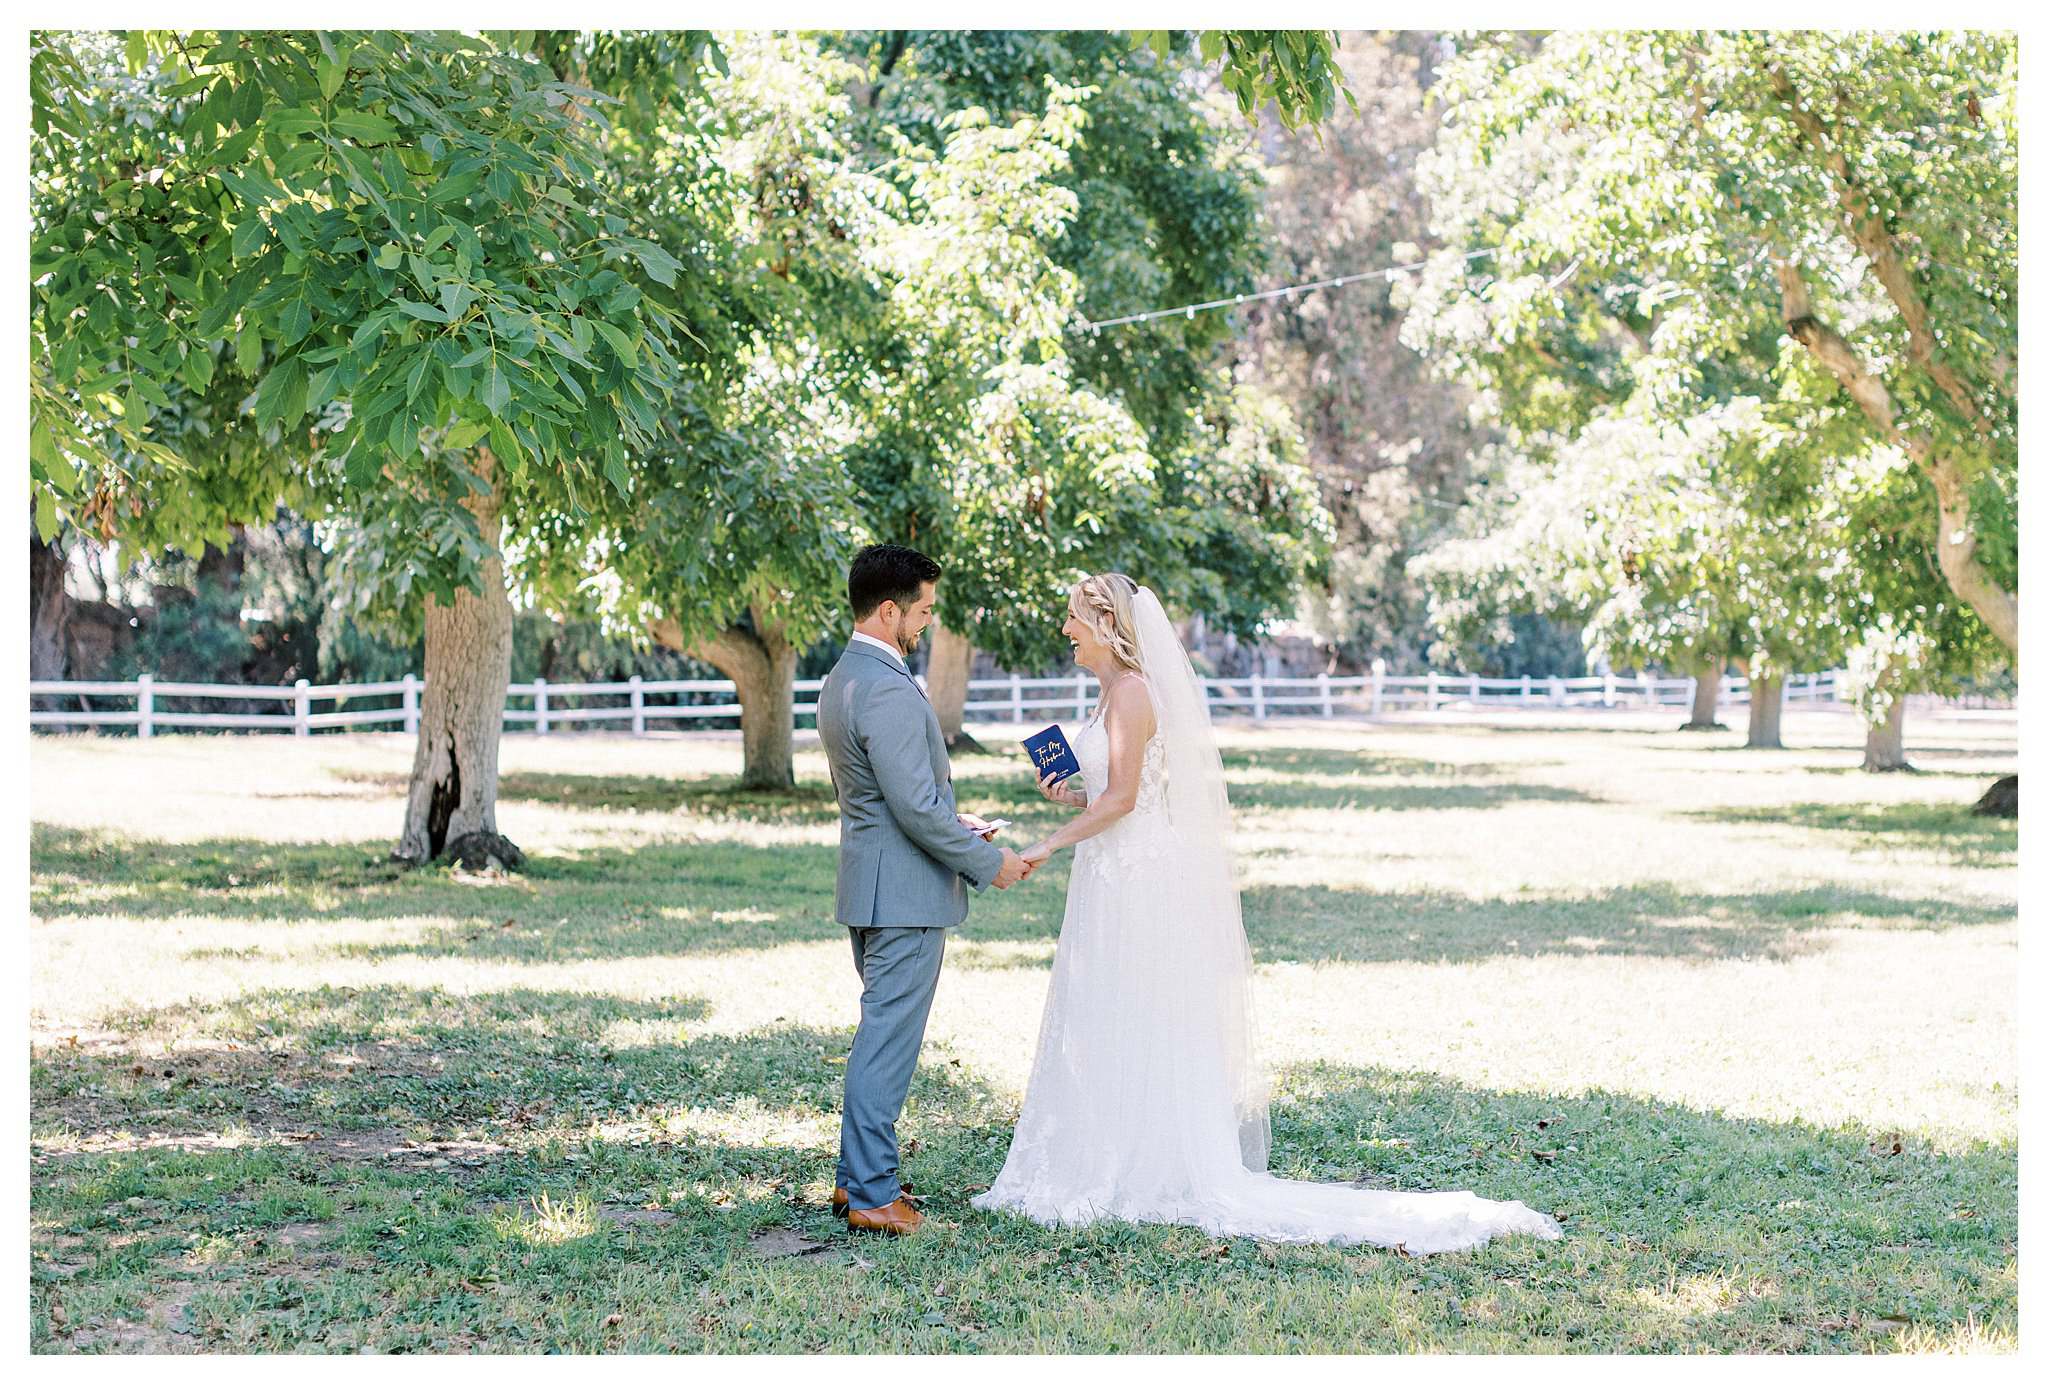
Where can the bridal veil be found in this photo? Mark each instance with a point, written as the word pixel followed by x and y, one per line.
pixel 1198 807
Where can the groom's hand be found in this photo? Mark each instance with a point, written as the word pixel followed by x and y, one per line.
pixel 1012 871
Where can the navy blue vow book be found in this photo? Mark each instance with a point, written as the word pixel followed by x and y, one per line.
pixel 1050 754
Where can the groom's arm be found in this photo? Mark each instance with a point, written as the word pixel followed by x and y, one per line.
pixel 894 733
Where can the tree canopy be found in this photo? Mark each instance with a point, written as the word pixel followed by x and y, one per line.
pixel 1823 223
pixel 356 258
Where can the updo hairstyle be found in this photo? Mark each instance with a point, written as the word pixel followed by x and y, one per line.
pixel 1109 594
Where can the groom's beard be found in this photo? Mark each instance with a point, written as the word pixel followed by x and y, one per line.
pixel 907 642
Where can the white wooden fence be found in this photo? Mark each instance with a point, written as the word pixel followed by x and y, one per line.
pixel 541 706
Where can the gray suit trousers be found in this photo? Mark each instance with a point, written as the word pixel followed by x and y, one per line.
pixel 899 971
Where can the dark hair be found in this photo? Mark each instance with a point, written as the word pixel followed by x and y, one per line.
pixel 887 572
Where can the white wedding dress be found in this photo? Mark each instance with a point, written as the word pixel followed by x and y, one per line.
pixel 1144 1104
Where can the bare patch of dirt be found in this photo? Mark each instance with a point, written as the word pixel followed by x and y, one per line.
pixel 380 1144
pixel 166 1330
pixel 637 1216
pixel 780 1243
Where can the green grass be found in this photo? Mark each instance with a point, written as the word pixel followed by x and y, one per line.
pixel 1747 1023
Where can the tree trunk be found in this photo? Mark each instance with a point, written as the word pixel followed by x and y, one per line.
pixel 762 665
pixel 49 609
pixel 1706 699
pixel 2001 800
pixel 1766 712
pixel 952 664
pixel 1884 744
pixel 453 805
pixel 49 618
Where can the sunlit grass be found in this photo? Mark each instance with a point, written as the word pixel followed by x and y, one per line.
pixel 1746 1020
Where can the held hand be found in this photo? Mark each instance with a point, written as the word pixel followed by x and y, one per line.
pixel 1013 869
pixel 1035 856
pixel 1060 793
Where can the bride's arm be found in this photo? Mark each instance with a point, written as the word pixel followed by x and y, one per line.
pixel 1130 722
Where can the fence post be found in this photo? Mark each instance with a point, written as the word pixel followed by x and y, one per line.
pixel 1556 691
pixel 639 705
pixel 1429 703
pixel 302 707
pixel 540 706
pixel 411 695
pixel 1379 679
pixel 145 708
pixel 1080 697
pixel 1475 690
pixel 1607 693
pixel 1017 698
pixel 1528 689
pixel 1323 686
pixel 1258 696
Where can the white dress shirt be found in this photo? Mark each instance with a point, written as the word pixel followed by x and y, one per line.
pixel 891 650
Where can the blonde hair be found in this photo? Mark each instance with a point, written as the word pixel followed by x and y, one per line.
pixel 1109 594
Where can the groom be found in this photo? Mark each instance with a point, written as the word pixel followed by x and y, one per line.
pixel 905 860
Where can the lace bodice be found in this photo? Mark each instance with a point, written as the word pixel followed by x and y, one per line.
pixel 1143 834
pixel 1091 748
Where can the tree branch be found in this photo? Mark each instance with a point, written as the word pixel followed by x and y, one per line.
pixel 1955 546
pixel 1867 229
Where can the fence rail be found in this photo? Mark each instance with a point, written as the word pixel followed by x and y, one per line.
pixel 639 704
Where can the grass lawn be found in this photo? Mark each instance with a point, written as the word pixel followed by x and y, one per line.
pixel 1744 1020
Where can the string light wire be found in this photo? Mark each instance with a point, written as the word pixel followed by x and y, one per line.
pixel 1189 310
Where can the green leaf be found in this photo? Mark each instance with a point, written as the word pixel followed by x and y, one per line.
pixel 460 186
pixel 43 448
pixel 621 343
pixel 425 312
pixel 363 468
pixel 504 444
pixel 235 148
pixel 199 368
pixel 294 322
pixel 391 255
pixel 364 128
pixel 497 393
pixel 659 264
pixel 281 398
pixel 300 120
pixel 331 75
pixel 248 238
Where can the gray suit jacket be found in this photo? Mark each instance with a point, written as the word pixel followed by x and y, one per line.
pixel 904 858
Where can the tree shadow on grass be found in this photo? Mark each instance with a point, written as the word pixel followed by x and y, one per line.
pixel 809 803
pixel 430 1056
pixel 1949 829
pixel 1685 1229
pixel 644 900
pixel 676 900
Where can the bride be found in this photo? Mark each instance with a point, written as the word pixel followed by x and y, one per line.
pixel 1146 1102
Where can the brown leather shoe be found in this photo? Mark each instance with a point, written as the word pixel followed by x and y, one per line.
pixel 840 1204
pixel 899 1218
